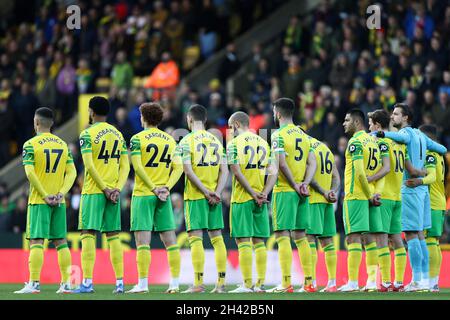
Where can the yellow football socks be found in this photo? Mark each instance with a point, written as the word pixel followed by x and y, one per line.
pixel 35 261
pixel 143 260
pixel 304 253
pixel 88 255
pixel 116 255
pixel 220 253
pixel 354 260
pixel 371 261
pixel 384 257
pixel 174 259
pixel 330 261
pixel 245 262
pixel 285 258
pixel 400 264
pixel 198 259
pixel 64 262
pixel 313 248
pixel 434 254
pixel 261 263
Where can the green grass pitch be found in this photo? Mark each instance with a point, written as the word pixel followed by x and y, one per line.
pixel 104 292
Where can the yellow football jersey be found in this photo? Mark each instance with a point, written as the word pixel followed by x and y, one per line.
pixel 360 146
pixel 49 155
pixel 107 145
pixel 205 153
pixel 156 149
pixel 324 171
pixel 294 143
pixel 252 154
pixel 437 188
pixel 397 157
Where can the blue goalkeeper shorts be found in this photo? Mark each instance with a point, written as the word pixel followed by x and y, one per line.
pixel 416 211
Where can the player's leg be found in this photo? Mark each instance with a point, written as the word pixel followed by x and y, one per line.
pixel 313 247
pixel 261 231
pixel 412 223
pixel 215 226
pixel 241 228
pixel 315 228
pixel 38 229
pixel 196 218
pixel 371 248
pixel 92 207
pixel 58 233
pixel 111 226
pixel 142 212
pixel 284 207
pixel 384 253
pixel 432 238
pixel 327 244
pixel 426 224
pixel 165 225
pixel 395 231
pixel 302 222
pixel 356 222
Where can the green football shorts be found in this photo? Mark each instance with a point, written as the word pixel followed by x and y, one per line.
pixel 200 215
pixel 437 223
pixel 356 216
pixel 46 222
pixel 375 223
pixel 290 211
pixel 391 216
pixel 148 213
pixel 248 220
pixel 323 222
pixel 98 213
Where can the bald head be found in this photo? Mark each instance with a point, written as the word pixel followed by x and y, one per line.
pixel 241 118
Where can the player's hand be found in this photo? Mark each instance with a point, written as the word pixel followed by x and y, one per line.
pixel 303 190
pixel 51 200
pixel 162 193
pixel 59 198
pixel 212 197
pixel 331 196
pixel 376 200
pixel 115 195
pixel 414 182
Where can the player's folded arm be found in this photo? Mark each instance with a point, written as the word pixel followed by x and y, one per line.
pixel 401 137
pixel 92 171
pixel 311 166
pixel 124 170
pixel 434 146
pixel 430 165
pixel 34 180
pixel 136 161
pixel 69 177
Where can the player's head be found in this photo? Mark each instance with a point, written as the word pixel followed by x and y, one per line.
pixel 401 116
pixel 151 114
pixel 238 122
pixel 98 107
pixel 354 121
pixel 378 120
pixel 283 108
pixel 430 130
pixel 196 114
pixel 43 119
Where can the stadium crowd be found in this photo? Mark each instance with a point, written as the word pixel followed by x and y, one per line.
pixel 328 62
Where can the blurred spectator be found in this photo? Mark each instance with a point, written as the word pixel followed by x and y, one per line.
pixel 66 99
pixel 6 129
pixel 122 72
pixel 84 77
pixel 164 78
pixel 177 204
pixel 6 206
pixel 341 75
pixel 293 34
pixel 291 81
pixel 19 216
pixel 230 64
pixel 23 103
pixel 123 124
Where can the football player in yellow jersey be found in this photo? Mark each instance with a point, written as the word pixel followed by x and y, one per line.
pixel 248 156
pixel 324 189
pixel 152 152
pixel 296 162
pixel 106 168
pixel 435 167
pixel 391 207
pixel 50 170
pixel 206 172
pixel 358 192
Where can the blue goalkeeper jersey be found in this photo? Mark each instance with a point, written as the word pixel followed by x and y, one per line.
pixel 417 144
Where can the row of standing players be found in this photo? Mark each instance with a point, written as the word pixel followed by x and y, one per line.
pixel 298 169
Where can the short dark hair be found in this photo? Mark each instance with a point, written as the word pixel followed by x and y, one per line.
pixel 357 113
pixel 44 112
pixel 99 105
pixel 429 129
pixel 285 106
pixel 152 113
pixel 380 116
pixel 406 111
pixel 198 112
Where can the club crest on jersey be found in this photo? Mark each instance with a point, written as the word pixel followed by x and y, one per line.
pixel 352 148
pixel 383 147
pixel 81 142
pixel 430 159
